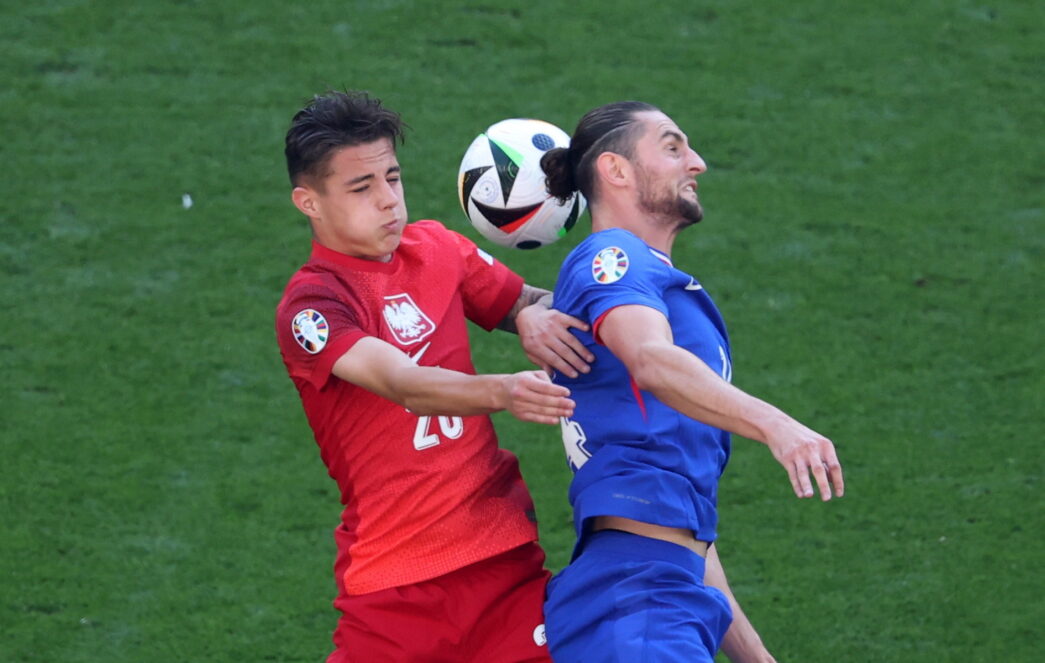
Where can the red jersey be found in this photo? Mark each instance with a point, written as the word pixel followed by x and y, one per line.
pixel 423 495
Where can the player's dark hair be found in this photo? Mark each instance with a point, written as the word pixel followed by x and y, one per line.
pixel 609 128
pixel 332 121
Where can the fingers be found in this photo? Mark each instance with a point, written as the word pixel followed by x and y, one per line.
pixel 565 358
pixel 836 478
pixel 826 471
pixel 563 352
pixel 550 344
pixel 834 469
pixel 543 414
pixel 540 382
pixel 535 398
pixel 793 472
pixel 820 474
pixel 571 321
pixel 576 347
pixel 809 453
pixel 570 339
pixel 805 488
pixel 538 419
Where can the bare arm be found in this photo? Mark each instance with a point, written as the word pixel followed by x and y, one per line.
pixel 385 370
pixel 742 643
pixel 641 338
pixel 545 333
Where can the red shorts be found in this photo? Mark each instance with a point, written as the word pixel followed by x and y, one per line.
pixel 488 612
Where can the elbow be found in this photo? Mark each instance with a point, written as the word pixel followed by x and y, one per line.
pixel 651 366
pixel 644 379
pixel 403 387
pixel 417 405
pixel 645 374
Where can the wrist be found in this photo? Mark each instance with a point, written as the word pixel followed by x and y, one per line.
pixel 500 391
pixel 522 317
pixel 768 422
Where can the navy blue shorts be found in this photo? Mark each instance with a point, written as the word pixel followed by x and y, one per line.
pixel 633 599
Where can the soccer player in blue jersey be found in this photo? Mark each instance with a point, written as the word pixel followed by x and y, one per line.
pixel 650 434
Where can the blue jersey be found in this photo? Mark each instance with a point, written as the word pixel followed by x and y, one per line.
pixel 634 456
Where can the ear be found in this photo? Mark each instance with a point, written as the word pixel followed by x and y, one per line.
pixel 304 199
pixel 613 169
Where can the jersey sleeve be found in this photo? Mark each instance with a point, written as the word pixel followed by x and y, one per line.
pixel 611 269
pixel 314 329
pixel 488 288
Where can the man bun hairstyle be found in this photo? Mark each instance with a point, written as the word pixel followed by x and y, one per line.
pixel 608 128
pixel 558 173
pixel 332 121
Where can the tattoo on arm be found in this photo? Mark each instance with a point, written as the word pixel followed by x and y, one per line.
pixel 529 295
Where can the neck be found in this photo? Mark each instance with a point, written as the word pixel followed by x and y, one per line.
pixel 335 244
pixel 657 233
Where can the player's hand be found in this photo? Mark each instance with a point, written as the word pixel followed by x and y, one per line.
pixel 531 396
pixel 548 342
pixel 802 452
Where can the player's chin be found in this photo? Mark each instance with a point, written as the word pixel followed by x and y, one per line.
pixel 390 241
pixel 691 209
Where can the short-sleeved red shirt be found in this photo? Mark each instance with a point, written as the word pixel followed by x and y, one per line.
pixel 423 495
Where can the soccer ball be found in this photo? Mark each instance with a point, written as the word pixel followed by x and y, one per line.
pixel 501 185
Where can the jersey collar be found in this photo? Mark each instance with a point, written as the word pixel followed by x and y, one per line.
pixel 323 253
pixel 663 257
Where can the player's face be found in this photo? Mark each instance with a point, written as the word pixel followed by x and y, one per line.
pixel 358 209
pixel 667 169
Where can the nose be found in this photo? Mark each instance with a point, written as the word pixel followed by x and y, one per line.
pixel 696 163
pixel 388 195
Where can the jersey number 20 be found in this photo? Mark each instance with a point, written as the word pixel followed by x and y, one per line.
pixel 450 427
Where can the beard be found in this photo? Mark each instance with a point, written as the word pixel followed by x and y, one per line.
pixel 668 205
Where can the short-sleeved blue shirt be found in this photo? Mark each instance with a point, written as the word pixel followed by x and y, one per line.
pixel 633 455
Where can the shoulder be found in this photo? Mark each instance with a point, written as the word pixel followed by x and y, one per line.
pixel 428 239
pixel 428 236
pixel 611 254
pixel 309 284
pixel 427 229
pixel 427 226
pixel 615 238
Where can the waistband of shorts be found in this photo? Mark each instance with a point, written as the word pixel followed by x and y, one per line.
pixel 626 544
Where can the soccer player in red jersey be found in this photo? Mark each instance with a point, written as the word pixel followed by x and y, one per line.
pixel 437 557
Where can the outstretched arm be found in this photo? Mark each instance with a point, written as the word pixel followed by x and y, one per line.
pixel 545 333
pixel 742 643
pixel 385 370
pixel 641 338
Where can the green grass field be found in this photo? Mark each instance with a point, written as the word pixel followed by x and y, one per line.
pixel 873 235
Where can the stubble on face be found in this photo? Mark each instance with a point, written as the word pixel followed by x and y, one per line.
pixel 667 203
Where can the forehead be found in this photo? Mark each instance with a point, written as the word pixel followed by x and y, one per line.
pixel 374 157
pixel 657 127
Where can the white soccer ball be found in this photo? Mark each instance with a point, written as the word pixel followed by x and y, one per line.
pixel 501 185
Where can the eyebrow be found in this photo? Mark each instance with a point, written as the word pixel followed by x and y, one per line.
pixel 370 176
pixel 671 133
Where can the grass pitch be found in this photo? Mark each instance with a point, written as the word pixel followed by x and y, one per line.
pixel 873 236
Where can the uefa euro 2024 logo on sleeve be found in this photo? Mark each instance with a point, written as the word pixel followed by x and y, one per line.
pixel 609 265
pixel 310 330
